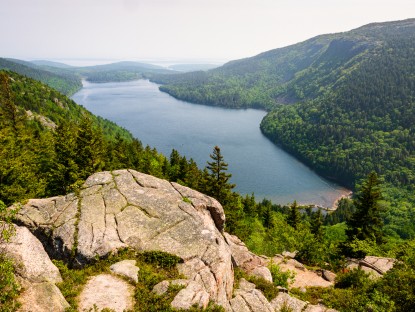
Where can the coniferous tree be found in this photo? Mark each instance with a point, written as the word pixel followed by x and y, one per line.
pixel 294 217
pixel 366 222
pixel 316 224
pixel 65 171
pixel 217 180
pixel 89 148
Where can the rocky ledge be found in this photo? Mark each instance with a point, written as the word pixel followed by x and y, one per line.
pixel 125 208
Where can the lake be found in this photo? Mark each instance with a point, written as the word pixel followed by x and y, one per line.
pixel 161 121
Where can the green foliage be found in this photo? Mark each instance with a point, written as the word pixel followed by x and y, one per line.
pixel 364 230
pixel 366 221
pixel 217 180
pixel 280 278
pixel 355 278
pixel 161 259
pixel 294 216
pixel 9 288
pixel 63 81
pixel 269 290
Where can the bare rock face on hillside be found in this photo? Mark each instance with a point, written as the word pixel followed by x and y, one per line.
pixel 126 208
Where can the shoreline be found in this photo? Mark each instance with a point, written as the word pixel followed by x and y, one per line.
pixel 336 202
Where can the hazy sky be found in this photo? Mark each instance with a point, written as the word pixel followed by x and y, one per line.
pixel 177 29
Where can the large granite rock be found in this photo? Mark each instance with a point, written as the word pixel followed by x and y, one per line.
pixel 35 273
pixel 33 263
pixel 127 208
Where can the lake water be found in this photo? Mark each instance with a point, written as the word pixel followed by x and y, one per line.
pixel 159 120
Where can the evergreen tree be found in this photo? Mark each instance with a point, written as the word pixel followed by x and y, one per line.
pixel 316 223
pixel 64 174
pixel 366 222
pixel 89 148
pixel 294 218
pixel 217 180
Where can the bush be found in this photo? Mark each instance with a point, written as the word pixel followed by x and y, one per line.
pixel 280 278
pixel 355 278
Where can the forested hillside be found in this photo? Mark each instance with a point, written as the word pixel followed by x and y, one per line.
pixel 342 103
pixel 68 79
pixel 64 81
pixel 365 122
pixel 286 75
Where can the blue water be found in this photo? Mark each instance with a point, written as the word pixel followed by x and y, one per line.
pixel 159 120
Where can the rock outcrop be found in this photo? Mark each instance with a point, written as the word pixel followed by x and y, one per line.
pixel 127 208
pixel 302 276
pixel 375 266
pixel 35 273
pixel 249 262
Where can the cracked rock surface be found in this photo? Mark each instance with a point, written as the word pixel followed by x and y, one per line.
pixel 127 208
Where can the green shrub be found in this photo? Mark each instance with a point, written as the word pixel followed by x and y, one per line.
pixel 280 278
pixel 9 288
pixel 161 259
pixel 355 278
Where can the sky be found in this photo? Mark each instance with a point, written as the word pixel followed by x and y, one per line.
pixel 191 30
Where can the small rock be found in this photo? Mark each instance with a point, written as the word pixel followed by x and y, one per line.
pixel 106 291
pixel 161 288
pixel 262 272
pixel 194 293
pixel 289 254
pixel 250 301
pixel 126 268
pixel 285 300
pixel 329 276
pixel 42 297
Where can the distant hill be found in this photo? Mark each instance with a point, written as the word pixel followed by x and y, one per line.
pixel 192 67
pixel 68 79
pixel 50 64
pixel 286 75
pixel 120 71
pixel 64 81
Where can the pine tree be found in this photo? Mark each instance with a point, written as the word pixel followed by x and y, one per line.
pixel 216 178
pixel 366 222
pixel 89 148
pixel 316 224
pixel 294 217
